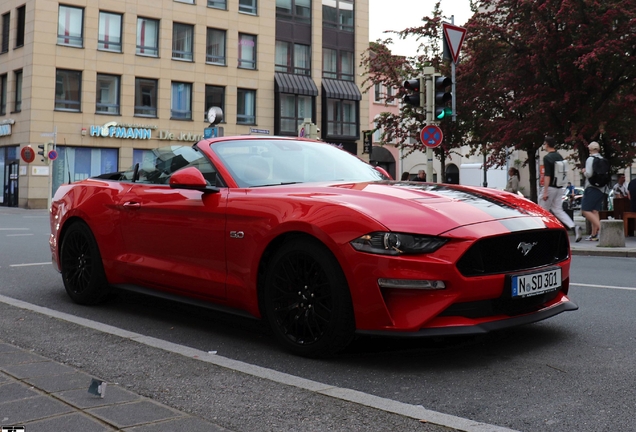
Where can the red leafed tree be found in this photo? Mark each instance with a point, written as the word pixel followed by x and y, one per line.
pixel 565 68
pixel 529 68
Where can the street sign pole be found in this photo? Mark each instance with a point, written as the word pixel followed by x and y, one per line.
pixel 49 162
pixel 429 74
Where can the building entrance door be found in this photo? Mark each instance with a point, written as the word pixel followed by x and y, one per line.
pixel 11 176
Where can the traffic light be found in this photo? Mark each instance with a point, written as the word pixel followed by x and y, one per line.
pixel 442 97
pixel 416 87
pixel 43 151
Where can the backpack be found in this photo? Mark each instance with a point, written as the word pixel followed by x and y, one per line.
pixel 561 173
pixel 601 172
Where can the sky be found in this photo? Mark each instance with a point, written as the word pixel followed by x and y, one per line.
pixel 401 14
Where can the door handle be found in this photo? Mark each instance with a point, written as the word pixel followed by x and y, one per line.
pixel 132 205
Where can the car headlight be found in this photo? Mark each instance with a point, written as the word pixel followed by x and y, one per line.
pixel 389 243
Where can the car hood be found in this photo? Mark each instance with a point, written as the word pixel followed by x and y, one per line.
pixel 436 209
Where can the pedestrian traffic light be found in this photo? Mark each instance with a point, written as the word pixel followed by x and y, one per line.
pixel 443 97
pixel 416 87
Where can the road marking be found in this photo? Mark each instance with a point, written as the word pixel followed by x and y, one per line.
pixel 14 229
pixel 30 264
pixel 603 286
pixel 18 235
pixel 417 412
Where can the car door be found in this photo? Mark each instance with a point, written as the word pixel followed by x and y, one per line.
pixel 174 239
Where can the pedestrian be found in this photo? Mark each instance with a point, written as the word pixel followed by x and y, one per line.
pixel 592 202
pixel 620 188
pixel 569 195
pixel 405 175
pixel 631 194
pixel 550 198
pixel 513 180
pixel 421 176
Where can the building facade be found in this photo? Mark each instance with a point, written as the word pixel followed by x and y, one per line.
pixel 98 84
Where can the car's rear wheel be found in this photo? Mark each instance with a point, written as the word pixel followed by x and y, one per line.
pixel 307 301
pixel 82 269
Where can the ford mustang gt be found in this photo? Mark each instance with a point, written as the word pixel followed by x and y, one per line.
pixel 317 243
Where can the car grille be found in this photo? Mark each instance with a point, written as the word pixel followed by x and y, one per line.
pixel 501 306
pixel 503 254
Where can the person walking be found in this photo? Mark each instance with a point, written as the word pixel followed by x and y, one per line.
pixel 592 202
pixel 421 176
pixel 551 195
pixel 620 188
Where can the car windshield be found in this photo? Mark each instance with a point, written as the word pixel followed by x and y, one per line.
pixel 275 162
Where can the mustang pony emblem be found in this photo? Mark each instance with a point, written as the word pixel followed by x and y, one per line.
pixel 525 248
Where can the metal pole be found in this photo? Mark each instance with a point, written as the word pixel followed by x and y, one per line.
pixel 429 73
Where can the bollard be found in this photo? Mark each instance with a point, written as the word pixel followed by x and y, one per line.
pixel 612 233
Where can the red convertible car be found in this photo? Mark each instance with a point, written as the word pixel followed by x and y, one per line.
pixel 313 240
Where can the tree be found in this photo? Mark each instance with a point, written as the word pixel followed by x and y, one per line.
pixel 566 68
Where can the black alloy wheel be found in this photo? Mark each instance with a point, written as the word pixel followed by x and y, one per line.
pixel 307 300
pixel 82 269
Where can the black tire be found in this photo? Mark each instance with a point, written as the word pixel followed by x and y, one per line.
pixel 82 268
pixel 306 300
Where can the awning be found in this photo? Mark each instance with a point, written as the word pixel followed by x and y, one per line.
pixel 295 84
pixel 336 89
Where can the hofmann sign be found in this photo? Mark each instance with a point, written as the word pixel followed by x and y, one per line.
pixel 139 132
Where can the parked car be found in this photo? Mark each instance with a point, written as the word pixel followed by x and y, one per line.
pixel 575 202
pixel 314 241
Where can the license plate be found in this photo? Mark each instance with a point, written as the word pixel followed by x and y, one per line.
pixel 531 284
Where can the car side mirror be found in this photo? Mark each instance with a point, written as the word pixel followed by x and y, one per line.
pixel 191 178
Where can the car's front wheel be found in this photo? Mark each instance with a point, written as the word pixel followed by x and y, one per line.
pixel 82 269
pixel 307 301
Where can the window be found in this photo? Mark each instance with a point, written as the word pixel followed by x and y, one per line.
pixel 19 31
pixel 70 26
pixel 145 97
pixel 185 1
pixel 341 117
pixel 107 94
pixel 296 10
pixel 215 47
pixel 3 94
pixel 217 4
pixel 247 6
pixel 214 96
pixel 78 163
pixel 68 90
pixel 337 64
pixel 246 107
pixel 381 93
pixel 181 104
pixel 294 109
pixel 338 14
pixel 155 167
pixel 18 91
pixel 109 35
pixel 182 38
pixel 293 58
pixel 247 51
pixel 6 20
pixel 148 37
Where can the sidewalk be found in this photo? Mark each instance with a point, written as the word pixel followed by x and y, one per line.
pixel 43 395
pixel 592 248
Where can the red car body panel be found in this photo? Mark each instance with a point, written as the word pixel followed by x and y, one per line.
pixel 210 246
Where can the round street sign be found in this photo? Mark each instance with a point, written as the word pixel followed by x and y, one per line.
pixel 52 155
pixel 27 154
pixel 431 136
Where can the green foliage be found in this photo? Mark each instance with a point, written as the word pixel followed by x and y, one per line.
pixel 529 68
